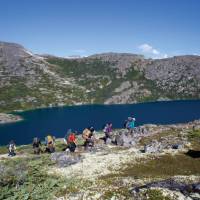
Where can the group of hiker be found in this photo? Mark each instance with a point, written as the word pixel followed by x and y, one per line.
pixel 70 140
pixel 49 143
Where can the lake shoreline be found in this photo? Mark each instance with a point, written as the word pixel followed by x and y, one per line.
pixel 97 104
pixel 193 125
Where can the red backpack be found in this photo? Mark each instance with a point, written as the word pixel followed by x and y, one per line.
pixel 71 138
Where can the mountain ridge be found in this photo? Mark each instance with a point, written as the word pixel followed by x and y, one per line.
pixel 31 81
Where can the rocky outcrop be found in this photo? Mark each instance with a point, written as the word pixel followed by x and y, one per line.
pixel 165 144
pixel 9 118
pixel 180 74
pixel 132 138
pixel 121 61
pixel 189 191
pixel 65 159
pixel 27 81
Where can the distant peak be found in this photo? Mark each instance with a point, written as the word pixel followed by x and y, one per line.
pixel 11 44
pixel 116 54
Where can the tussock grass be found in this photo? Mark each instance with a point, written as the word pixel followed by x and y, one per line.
pixel 194 138
pixel 158 136
pixel 154 194
pixel 3 149
pixel 163 167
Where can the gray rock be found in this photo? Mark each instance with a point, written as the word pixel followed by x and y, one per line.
pixel 186 189
pixel 196 127
pixel 129 138
pixel 195 196
pixel 197 188
pixel 65 159
pixel 177 146
pixel 108 141
pixel 154 147
pixel 8 118
pixel 174 74
pixel 119 140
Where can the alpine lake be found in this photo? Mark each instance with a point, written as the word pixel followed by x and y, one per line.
pixel 57 120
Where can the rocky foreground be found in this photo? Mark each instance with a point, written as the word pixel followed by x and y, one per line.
pixel 153 162
pixel 9 118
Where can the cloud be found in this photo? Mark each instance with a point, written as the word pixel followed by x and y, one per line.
pixel 165 55
pixel 151 52
pixel 146 48
pixel 196 54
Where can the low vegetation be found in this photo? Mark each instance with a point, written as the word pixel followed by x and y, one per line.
pixel 158 136
pixel 27 176
pixel 163 167
pixel 154 194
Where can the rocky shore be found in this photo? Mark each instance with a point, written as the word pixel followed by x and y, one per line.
pixel 9 118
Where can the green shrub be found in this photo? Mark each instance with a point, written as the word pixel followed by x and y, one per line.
pixel 154 194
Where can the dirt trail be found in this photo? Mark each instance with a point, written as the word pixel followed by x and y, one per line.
pixel 100 163
pixel 5 156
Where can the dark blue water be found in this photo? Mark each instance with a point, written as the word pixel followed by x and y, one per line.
pixel 57 121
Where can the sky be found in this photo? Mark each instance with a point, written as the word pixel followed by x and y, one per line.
pixel 154 28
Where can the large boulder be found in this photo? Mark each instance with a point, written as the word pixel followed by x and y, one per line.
pixel 119 140
pixel 197 187
pixel 124 139
pixel 164 144
pixel 129 138
pixel 153 147
pixel 65 159
pixel 188 190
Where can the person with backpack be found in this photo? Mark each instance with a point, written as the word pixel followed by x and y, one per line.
pixel 125 124
pixel 70 140
pixel 50 143
pixel 36 146
pixel 130 125
pixel 11 148
pixel 107 131
pixel 88 136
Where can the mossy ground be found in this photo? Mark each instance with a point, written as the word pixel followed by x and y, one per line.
pixel 158 136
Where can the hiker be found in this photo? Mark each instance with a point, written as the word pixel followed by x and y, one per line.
pixel 70 140
pixel 50 143
pixel 125 124
pixel 11 148
pixel 88 136
pixel 107 131
pixel 130 125
pixel 36 146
